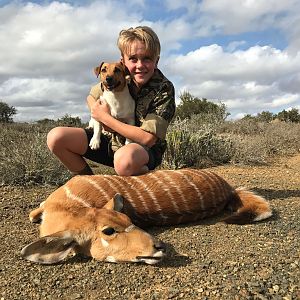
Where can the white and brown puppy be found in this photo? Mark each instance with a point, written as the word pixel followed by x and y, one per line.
pixel 113 80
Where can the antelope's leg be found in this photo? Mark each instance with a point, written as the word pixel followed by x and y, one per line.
pixel 36 215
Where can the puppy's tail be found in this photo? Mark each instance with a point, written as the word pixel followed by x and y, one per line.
pixel 248 207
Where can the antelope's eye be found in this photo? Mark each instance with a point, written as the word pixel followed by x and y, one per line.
pixel 108 231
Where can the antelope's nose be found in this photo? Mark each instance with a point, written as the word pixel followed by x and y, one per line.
pixel 160 246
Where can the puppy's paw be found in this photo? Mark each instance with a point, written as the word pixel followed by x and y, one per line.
pixel 94 144
pixel 91 124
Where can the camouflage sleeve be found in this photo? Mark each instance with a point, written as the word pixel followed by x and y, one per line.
pixel 96 91
pixel 160 115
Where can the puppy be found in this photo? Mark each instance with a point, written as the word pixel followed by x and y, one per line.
pixel 113 80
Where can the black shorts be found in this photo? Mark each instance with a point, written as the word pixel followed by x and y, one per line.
pixel 105 156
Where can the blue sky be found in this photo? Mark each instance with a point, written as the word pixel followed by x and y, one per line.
pixel 244 53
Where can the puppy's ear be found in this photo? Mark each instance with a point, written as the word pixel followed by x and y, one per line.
pixel 127 71
pixel 122 65
pixel 98 69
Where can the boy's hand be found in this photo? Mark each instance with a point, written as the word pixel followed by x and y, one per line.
pixel 99 109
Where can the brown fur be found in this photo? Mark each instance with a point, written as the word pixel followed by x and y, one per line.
pixel 162 197
pixel 117 72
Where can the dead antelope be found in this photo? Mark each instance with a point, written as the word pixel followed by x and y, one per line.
pixel 85 215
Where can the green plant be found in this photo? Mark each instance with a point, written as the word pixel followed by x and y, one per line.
pixel 6 112
pixel 25 158
pixel 190 105
pixel 190 147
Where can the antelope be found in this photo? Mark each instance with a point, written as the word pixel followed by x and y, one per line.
pixel 98 215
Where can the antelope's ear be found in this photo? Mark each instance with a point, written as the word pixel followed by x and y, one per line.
pixel 116 203
pixel 49 249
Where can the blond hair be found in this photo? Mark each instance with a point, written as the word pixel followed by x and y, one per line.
pixel 142 33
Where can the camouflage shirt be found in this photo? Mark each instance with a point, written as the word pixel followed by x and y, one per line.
pixel 155 108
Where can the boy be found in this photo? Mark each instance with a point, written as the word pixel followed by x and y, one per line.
pixel 155 107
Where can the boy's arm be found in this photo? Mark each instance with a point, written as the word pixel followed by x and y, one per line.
pixel 162 112
pixel 134 133
pixel 90 101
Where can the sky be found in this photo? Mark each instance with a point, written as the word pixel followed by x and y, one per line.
pixel 243 53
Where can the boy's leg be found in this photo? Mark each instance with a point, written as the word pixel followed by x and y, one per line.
pixel 104 155
pixel 69 144
pixel 133 159
pixel 85 171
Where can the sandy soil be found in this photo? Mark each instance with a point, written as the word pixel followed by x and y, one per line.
pixel 206 260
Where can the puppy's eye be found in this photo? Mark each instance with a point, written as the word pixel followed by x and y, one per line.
pixel 117 70
pixel 103 70
pixel 108 231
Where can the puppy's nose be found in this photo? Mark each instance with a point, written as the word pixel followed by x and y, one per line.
pixel 109 79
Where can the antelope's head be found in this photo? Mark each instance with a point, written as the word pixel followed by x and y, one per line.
pixel 105 234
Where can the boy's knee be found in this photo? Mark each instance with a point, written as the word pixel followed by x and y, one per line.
pixel 54 137
pixel 127 166
pixel 123 166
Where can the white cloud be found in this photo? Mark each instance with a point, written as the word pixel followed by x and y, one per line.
pixel 40 98
pixel 252 80
pixel 235 45
pixel 237 16
pixel 48 38
pixel 172 33
pixel 48 52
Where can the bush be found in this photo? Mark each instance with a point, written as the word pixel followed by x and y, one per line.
pixel 25 158
pixel 6 112
pixel 190 105
pixel 256 142
pixel 204 141
pixel 188 146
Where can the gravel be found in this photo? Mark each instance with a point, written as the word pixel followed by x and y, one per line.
pixel 206 260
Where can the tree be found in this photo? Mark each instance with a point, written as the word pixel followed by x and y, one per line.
pixel 289 115
pixel 265 116
pixel 68 120
pixel 190 105
pixel 6 113
pixel 46 122
pixel 248 117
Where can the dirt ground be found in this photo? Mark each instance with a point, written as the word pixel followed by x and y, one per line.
pixel 206 260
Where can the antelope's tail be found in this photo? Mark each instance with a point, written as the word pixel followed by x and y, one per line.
pixel 248 208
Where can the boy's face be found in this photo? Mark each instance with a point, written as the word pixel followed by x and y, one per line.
pixel 139 63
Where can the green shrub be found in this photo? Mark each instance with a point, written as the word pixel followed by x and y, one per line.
pixel 190 105
pixel 256 142
pixel 25 158
pixel 189 146
pixel 202 140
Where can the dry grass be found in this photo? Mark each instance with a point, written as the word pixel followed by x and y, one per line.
pixel 26 160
